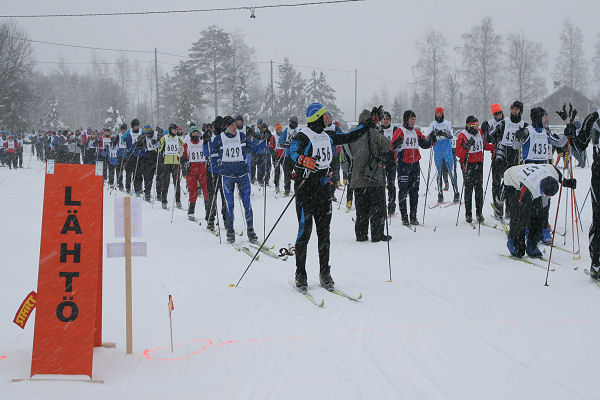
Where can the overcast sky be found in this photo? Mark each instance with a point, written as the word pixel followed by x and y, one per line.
pixel 376 36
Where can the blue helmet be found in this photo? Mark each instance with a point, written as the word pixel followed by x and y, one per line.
pixel 314 111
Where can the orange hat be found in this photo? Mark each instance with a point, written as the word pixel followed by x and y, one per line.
pixel 278 127
pixel 495 107
pixel 439 110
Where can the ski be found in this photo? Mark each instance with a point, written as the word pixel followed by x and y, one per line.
pixel 587 272
pixel 450 204
pixel 343 294
pixel 437 205
pixel 268 252
pixel 213 231
pixel 495 226
pixel 245 250
pixel 526 261
pixel 310 297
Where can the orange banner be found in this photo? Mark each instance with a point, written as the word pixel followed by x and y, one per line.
pixel 25 310
pixel 69 278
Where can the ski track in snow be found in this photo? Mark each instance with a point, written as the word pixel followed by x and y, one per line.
pixel 457 322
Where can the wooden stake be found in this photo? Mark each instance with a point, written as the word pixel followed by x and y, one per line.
pixel 128 275
pixel 171 327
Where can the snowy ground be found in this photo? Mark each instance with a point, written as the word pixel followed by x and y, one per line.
pixel 457 322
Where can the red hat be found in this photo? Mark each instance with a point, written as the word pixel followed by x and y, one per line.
pixel 495 108
pixel 439 110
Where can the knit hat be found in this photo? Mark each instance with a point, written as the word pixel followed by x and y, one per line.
pixel 147 129
pixel 278 127
pixel 259 121
pixel 238 117
pixel 293 118
pixel 227 120
pixel 193 128
pixel 549 186
pixel 495 108
pixel 408 114
pixel 439 110
pixel 536 116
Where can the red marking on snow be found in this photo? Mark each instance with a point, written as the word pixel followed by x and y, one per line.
pixel 2 357
pixel 147 352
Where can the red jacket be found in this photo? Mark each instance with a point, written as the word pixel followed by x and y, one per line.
pixel 11 149
pixel 476 156
pixel 273 145
pixel 409 155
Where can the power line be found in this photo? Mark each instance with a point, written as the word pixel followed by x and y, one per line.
pixel 181 11
pixel 79 46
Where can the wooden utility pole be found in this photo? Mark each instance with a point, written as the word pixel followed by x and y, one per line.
pixel 128 301
pixel 156 77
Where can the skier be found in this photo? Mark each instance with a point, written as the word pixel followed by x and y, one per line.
pixel 213 180
pixel 389 162
pixel 590 133
pixel 110 154
pixel 469 149
pixel 276 155
pixel 19 139
pixel 312 150
pixel 406 142
pixel 194 151
pixel 533 185
pixel 285 140
pixel 129 138
pixel 121 155
pixel 171 148
pixel 149 161
pixel 230 148
pixel 10 152
pixel 504 135
pixel 333 129
pixel 498 165
pixel 262 135
pixel 442 152
pixel 537 148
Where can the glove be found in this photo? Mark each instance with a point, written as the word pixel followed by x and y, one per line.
pixel 572 113
pixel 432 138
pixel 398 142
pixel 186 169
pixel 570 183
pixel 369 123
pixel 376 113
pixel 563 113
pixel 468 144
pixel 520 134
pixel 570 130
pixel 308 162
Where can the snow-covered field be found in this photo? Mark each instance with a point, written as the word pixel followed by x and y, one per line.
pixel 457 322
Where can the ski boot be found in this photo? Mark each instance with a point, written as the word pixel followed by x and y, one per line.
pixel 532 250
pixel 383 238
pixel 277 191
pixel 547 235
pixel 512 249
pixel 595 272
pixel 456 198
pixel 349 204
pixel 446 187
pixel 191 210
pixel 178 205
pixel 325 277
pixel 405 218
pixel 165 206
pixel 230 236
pixel 147 198
pixel 301 282
pixel 252 236
pixel 138 193
pixel 480 218
pixel 413 219
pixel 468 218
pixel 440 198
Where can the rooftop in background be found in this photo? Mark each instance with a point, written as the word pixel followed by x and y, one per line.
pixel 564 94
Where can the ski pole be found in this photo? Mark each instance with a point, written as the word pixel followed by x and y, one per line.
pixel 343 191
pixel 463 186
pixel 270 232
pixel 580 209
pixel 485 193
pixel 155 179
pixel 175 183
pixel 576 227
pixel 387 232
pixel 553 233
pixel 428 176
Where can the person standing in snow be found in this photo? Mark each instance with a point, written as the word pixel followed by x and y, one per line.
pixel 312 150
pixel 333 129
pixel 213 179
pixel 130 138
pixel 532 185
pixel 442 152
pixel 261 158
pixel 369 185
pixel 498 164
pixel 230 149
pixel 390 164
pixel 537 146
pixel 469 149
pixel 406 142
pixel 590 133
pixel 277 152
pixel 194 151
pixel 150 160
pixel 10 152
pixel 171 149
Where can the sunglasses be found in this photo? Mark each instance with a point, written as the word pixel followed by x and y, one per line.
pixel 473 125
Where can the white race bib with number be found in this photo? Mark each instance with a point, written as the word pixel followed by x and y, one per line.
pixel 478 146
pixel 112 151
pixel 232 148
pixel 539 148
pixel 533 173
pixel 509 131
pixel 11 144
pixel 321 147
pixel 196 152
pixel 171 145
pixel 411 140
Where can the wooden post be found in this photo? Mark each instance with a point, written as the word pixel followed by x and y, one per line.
pixel 127 207
pixel 171 327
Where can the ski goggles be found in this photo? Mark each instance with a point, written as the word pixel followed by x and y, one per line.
pixel 474 125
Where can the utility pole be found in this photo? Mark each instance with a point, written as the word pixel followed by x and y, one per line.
pixel 272 94
pixel 156 76
pixel 355 92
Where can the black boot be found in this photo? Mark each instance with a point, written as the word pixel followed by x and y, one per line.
pixel 252 236
pixel 191 210
pixel 230 236
pixel 413 219
pixel 301 283
pixel 325 277
pixel 456 197
pixel 440 198
pixel 595 271
pixel 404 218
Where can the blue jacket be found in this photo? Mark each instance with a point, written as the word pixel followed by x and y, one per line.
pixel 231 169
pixel 131 147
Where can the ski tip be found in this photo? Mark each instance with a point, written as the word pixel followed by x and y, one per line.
pixel 359 296
pixel 232 285
pixel 389 281
pixel 322 304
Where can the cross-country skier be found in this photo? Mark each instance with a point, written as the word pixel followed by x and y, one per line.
pixel 194 151
pixel 469 149
pixel 171 149
pixel 285 140
pixel 277 152
pixel 312 151
pixel 442 152
pixel 390 165
pixel 533 185
pixel 406 142
pixel 230 149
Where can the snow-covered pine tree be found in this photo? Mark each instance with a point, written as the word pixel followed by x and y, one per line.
pixel 292 98
pixel 319 91
pixel 113 119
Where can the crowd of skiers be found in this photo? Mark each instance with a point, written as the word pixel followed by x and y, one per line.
pixel 11 150
pixel 375 157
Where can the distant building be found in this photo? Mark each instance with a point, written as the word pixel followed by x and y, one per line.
pixel 564 94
